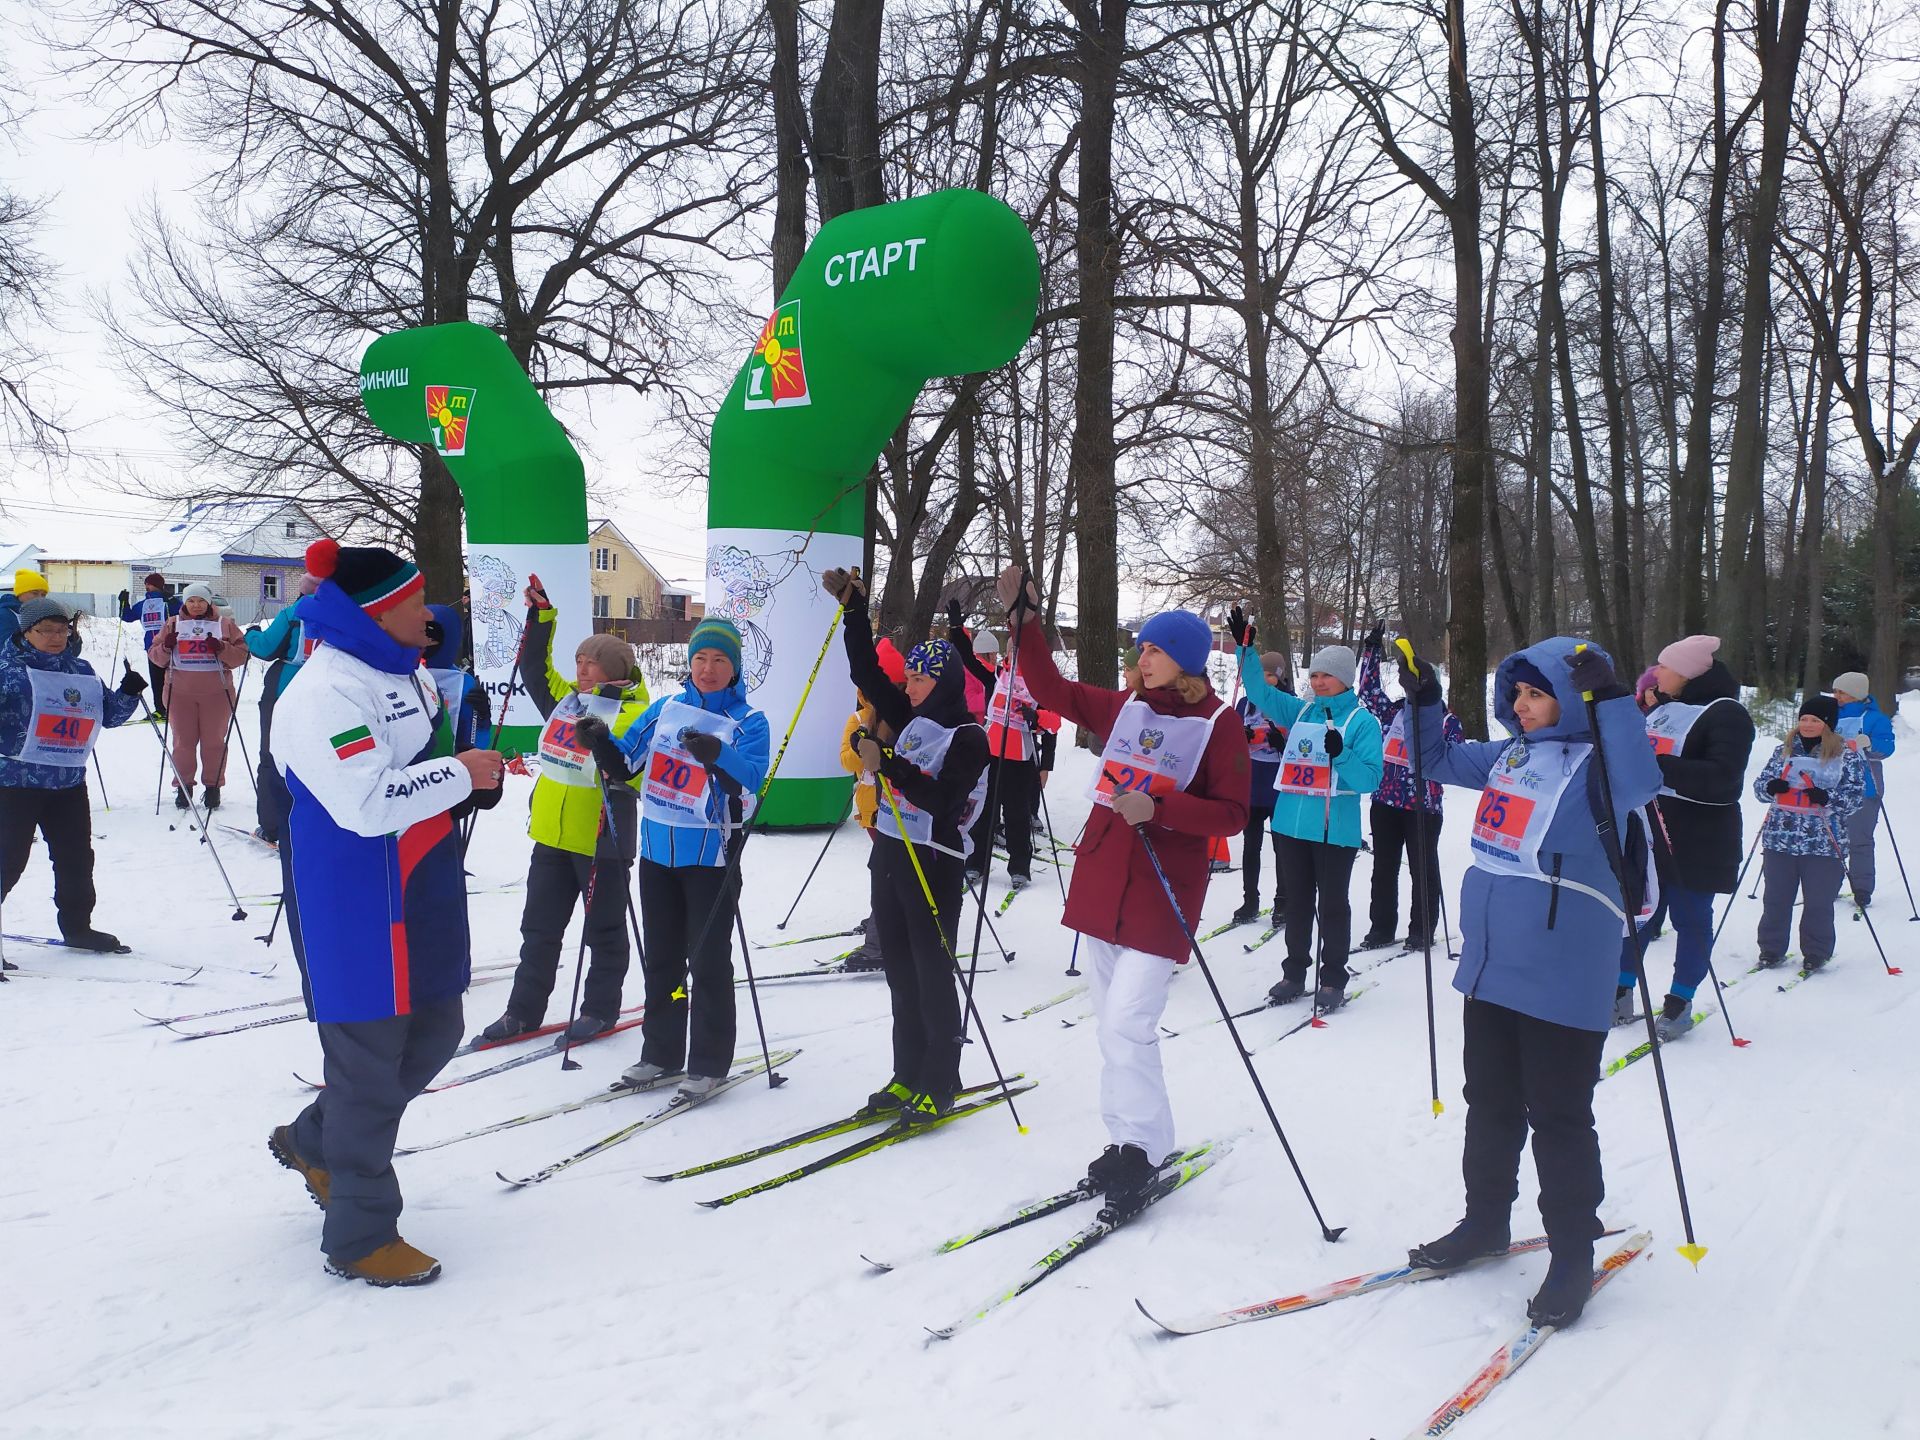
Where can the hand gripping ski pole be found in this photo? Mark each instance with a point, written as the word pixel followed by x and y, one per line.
pixel 1327 1232
pixel 1610 842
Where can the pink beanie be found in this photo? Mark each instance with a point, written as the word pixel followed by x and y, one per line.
pixel 1648 679
pixel 1691 657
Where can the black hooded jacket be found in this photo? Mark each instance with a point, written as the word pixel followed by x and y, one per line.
pixel 1697 845
pixel 944 796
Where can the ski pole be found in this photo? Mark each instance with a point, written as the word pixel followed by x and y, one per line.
pixel 817 859
pixel 752 824
pixel 603 828
pixel 1883 815
pixel 1411 711
pixel 101 776
pixel 1053 845
pixel 774 1079
pixel 166 728
pixel 1327 1233
pixel 1610 842
pixel 999 763
pixel 233 729
pixel 1073 960
pixel 993 932
pixel 1752 849
pixel 1858 908
pixel 278 905
pixel 966 988
pixel 206 837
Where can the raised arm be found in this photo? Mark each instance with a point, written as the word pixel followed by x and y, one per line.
pixel 1282 707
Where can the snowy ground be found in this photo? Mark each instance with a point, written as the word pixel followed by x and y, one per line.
pixel 159 1274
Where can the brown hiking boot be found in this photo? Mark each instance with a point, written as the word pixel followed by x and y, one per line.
pixel 280 1146
pixel 394 1263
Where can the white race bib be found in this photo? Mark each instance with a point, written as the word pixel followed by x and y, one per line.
pixel 1518 803
pixel 675 790
pixel 1154 754
pixel 153 615
pixel 1669 725
pixel 563 757
pixel 1804 772
pixel 196 644
pixel 65 720
pixel 1393 750
pixel 1305 766
pixel 453 691
pixel 925 745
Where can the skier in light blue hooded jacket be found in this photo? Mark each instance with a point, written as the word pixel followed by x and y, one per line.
pixel 1541 917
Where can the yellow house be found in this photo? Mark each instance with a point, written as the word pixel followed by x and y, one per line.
pixel 625 584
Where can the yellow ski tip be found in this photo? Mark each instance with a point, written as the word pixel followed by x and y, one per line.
pixel 1437 1108
pixel 1694 1253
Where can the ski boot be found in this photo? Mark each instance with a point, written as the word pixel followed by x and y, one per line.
pixel 1623 1011
pixel 1019 882
pixel 182 797
pixel 1674 1020
pixel 644 1076
pixel 1566 1290
pixel 1376 940
pixel 508 1027
pixel 394 1263
pixel 1814 964
pixel 210 797
pixel 891 1099
pixel 89 938
pixel 319 1183
pixel 1329 998
pixel 1129 1184
pixel 1247 913
pixel 1769 962
pixel 585 1026
pixel 1466 1242
pixel 862 957
pixel 1286 991
pixel 926 1108
pixel 697 1087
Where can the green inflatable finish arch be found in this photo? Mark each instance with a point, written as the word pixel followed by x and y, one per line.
pixel 884 300
pixel 458 388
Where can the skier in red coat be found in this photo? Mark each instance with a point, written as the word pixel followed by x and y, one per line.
pixel 1174 761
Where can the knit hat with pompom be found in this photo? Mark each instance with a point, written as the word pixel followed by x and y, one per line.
pixel 374 579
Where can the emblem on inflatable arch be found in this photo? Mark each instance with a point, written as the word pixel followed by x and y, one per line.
pixel 776 375
pixel 748 587
pixel 450 407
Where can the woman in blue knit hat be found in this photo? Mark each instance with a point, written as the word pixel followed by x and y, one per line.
pixel 1333 757
pixel 700 758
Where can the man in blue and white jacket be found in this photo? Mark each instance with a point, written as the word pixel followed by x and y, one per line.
pixel 701 756
pixel 376 898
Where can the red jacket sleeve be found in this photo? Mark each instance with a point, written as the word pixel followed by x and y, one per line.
pixel 1216 802
pixel 1087 705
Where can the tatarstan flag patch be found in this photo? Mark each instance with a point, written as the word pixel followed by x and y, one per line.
pixel 349 743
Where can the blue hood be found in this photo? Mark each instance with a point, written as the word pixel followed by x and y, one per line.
pixel 721 702
pixel 331 616
pixel 1554 659
pixel 453 639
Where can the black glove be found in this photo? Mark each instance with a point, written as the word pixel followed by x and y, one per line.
pixel 125 601
pixel 1334 744
pixel 701 746
pixel 436 634
pixel 130 683
pixel 1777 786
pixel 1592 672
pixel 1239 627
pixel 592 730
pixel 1377 636
pixel 956 622
pixel 1031 716
pixel 254 629
pixel 1249 730
pixel 1817 795
pixel 1418 678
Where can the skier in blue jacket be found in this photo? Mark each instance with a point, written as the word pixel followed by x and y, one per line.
pixel 702 755
pixel 1541 916
pixel 464 696
pixel 52 709
pixel 152 611
pixel 1333 757
pixel 1869 734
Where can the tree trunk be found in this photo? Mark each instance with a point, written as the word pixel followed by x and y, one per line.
pixel 1742 533
pixel 846 111
pixel 1100 46
pixel 789 145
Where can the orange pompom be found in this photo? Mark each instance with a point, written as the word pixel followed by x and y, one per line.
pixel 322 556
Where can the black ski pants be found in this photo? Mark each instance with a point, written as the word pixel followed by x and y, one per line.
pixel 1018 782
pixel 64 817
pixel 927 1024
pixel 1395 830
pixel 692 1033
pixel 1527 1074
pixel 1259 827
pixel 1314 877
pixel 556 879
pixel 374 1068
pixel 158 675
